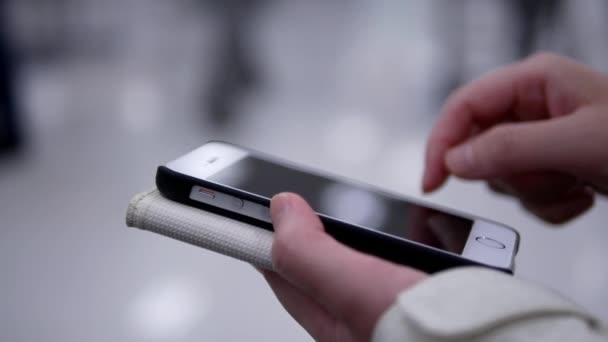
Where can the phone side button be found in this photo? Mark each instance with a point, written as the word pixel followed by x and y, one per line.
pixel 237 203
pixel 199 193
pixel 489 242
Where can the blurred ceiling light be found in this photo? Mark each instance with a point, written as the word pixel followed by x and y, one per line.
pixel 46 97
pixel 166 310
pixel 354 138
pixel 353 205
pixel 404 164
pixel 587 279
pixel 141 104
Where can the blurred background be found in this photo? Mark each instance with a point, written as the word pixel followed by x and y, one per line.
pixel 94 94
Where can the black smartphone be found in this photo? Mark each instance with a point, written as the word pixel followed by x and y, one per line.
pixel 238 183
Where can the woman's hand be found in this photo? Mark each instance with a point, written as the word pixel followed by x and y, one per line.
pixel 334 292
pixel 536 130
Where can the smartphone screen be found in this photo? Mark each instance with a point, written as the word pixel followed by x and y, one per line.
pixel 349 203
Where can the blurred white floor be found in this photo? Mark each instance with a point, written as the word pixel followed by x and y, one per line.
pixel 72 271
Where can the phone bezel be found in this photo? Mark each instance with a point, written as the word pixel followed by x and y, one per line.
pixel 186 172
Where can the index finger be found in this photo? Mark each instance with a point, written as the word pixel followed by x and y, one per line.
pixel 539 87
pixel 484 102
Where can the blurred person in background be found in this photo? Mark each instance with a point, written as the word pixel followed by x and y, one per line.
pixel 535 130
pixel 9 130
pixel 532 17
pixel 452 41
pixel 529 21
pixel 234 71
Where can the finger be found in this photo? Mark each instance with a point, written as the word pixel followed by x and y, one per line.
pixel 563 210
pixel 562 144
pixel 487 99
pixel 536 186
pixel 311 316
pixel 526 91
pixel 338 277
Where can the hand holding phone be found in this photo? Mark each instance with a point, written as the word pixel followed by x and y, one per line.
pixel 330 289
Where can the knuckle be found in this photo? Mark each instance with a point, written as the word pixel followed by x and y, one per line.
pixel 547 62
pixel 545 59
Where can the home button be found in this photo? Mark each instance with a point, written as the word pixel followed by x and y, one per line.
pixel 489 242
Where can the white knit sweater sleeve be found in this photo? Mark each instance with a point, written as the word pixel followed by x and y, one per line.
pixel 478 305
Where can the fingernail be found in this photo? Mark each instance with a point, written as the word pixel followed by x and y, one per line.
pixel 279 206
pixel 460 159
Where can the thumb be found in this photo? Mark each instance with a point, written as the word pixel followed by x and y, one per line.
pixel 570 144
pixel 337 277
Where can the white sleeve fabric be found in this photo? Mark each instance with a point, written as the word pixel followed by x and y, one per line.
pixel 478 305
pixel 151 211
